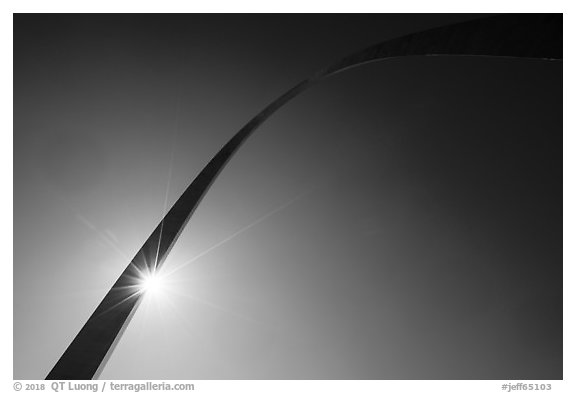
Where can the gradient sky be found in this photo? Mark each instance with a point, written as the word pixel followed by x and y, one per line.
pixel 401 220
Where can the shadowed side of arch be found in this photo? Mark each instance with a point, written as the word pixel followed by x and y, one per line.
pixel 522 36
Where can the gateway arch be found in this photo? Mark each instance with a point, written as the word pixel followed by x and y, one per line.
pixel 519 36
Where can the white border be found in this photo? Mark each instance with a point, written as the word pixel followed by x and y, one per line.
pixel 6 169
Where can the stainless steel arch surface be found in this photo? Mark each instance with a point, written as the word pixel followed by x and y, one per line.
pixel 536 36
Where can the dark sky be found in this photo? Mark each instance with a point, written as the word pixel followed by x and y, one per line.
pixel 401 220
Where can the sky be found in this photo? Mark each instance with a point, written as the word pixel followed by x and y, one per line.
pixel 400 220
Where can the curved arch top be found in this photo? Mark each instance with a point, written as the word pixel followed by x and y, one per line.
pixel 537 36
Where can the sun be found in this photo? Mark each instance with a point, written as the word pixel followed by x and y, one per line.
pixel 152 283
